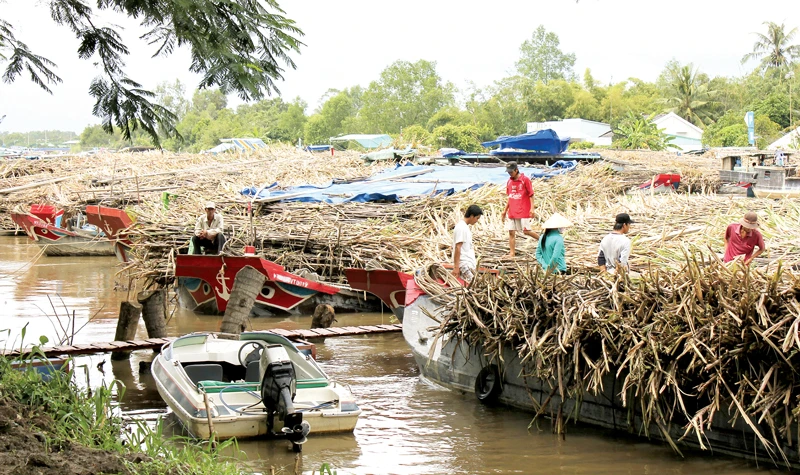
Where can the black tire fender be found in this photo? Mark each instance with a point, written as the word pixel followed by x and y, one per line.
pixel 488 385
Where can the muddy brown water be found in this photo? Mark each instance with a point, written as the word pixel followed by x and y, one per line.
pixel 408 425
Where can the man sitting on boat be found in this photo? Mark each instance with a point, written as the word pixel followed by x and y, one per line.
pixel 208 235
pixel 742 238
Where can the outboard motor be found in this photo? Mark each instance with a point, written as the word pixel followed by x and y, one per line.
pixel 278 388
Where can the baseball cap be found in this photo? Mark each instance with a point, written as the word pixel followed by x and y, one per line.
pixel 624 218
pixel 511 166
pixel 210 204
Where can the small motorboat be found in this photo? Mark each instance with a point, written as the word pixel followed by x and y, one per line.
pixel 261 385
pixel 59 235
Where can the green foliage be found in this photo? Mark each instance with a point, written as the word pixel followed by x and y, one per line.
pixel 240 48
pixel 462 137
pixel 638 132
pixel 581 145
pixel 775 106
pixel 687 93
pixel 405 94
pixel 449 115
pixel 731 131
pixel 542 60
pixel 774 49
pixel 416 134
pixel 335 117
pixel 36 138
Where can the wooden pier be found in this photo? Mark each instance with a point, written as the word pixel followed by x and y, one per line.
pixel 154 343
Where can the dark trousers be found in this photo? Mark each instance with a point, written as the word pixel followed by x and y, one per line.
pixel 210 246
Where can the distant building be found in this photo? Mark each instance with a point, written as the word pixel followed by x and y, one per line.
pixel 683 133
pixel 788 141
pixel 578 130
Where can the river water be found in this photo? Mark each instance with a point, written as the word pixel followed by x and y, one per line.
pixel 408 425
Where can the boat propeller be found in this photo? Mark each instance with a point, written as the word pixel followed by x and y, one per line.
pixel 278 389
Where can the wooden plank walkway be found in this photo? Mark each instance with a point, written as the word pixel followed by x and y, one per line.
pixel 154 343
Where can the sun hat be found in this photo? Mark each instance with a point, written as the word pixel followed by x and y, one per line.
pixel 557 221
pixel 210 205
pixel 750 220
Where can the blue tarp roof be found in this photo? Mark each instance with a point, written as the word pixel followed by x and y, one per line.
pixel 237 145
pixel 542 141
pixel 395 184
pixel 366 140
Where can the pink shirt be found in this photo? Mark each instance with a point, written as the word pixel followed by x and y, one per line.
pixel 519 193
pixel 741 247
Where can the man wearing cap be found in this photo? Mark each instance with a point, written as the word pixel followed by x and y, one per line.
pixel 742 238
pixel 520 208
pixel 464 262
pixel 615 248
pixel 208 231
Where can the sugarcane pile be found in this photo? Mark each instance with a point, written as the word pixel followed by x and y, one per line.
pixel 685 345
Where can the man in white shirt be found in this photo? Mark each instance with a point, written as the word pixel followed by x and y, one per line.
pixel 208 231
pixel 615 248
pixel 464 262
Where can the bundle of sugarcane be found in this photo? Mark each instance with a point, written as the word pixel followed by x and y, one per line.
pixel 683 345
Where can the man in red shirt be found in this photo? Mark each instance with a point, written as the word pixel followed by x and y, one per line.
pixel 520 208
pixel 742 238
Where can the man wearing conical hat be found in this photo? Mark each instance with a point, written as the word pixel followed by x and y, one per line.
pixel 742 238
pixel 208 235
pixel 551 253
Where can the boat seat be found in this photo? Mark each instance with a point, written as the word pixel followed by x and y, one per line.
pixel 253 373
pixel 203 372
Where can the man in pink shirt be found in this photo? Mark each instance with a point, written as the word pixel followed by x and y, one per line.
pixel 520 208
pixel 742 238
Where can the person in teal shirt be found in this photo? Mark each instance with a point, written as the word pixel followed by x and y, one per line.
pixel 551 253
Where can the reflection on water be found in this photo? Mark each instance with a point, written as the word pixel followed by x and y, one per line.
pixel 408 426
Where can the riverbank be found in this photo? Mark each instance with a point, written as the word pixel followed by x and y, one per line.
pixel 50 425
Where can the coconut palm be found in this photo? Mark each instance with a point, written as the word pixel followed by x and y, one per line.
pixel 687 96
pixel 774 49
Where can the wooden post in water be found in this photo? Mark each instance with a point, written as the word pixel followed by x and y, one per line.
pixel 246 287
pixel 129 313
pixel 153 312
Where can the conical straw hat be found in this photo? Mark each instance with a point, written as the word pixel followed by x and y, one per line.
pixel 557 221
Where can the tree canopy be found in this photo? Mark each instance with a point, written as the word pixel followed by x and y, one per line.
pixel 238 46
pixel 542 60
pixel 774 49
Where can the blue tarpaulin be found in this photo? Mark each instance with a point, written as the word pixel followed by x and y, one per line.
pixel 366 140
pixel 395 184
pixel 541 141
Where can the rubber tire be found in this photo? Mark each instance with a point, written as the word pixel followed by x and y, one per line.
pixel 487 385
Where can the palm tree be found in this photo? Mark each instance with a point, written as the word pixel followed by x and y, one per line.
pixel 774 48
pixel 686 96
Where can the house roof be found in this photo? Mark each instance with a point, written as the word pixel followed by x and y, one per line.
pixel 663 117
pixel 786 140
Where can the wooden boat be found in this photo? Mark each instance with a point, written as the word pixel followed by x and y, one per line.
pixel 462 367
pixel 776 193
pixel 114 223
pixel 205 283
pixel 44 225
pixel 659 184
pixel 260 385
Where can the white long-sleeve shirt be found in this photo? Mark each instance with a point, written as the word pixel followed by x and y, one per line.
pixel 213 229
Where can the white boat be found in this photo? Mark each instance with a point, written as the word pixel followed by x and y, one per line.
pixel 260 385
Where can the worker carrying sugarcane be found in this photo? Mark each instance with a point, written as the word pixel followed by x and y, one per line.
pixel 551 253
pixel 464 262
pixel 520 208
pixel 615 248
pixel 208 237
pixel 742 238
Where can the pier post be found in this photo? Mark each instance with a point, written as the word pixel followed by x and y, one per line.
pixel 153 312
pixel 246 287
pixel 129 313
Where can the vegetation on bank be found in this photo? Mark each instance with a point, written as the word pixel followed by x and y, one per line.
pixel 411 100
pixel 51 424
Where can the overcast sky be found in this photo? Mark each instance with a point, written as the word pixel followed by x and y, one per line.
pixel 349 42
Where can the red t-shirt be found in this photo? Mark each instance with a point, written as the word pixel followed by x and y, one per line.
pixel 519 193
pixel 741 247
